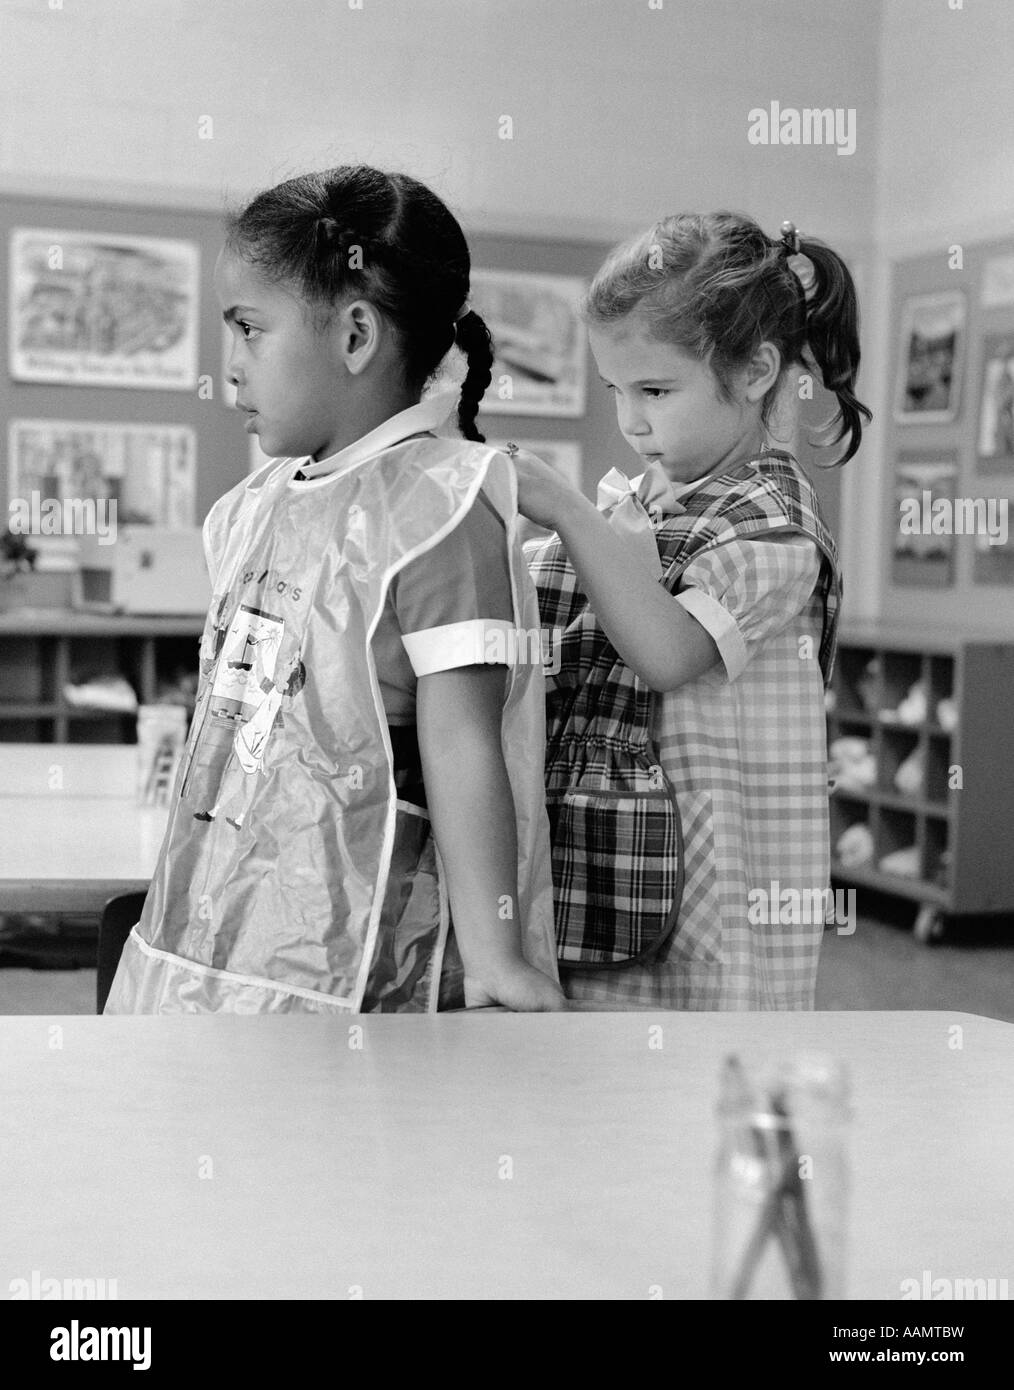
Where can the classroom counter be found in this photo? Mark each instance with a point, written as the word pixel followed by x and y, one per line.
pixel 490 1155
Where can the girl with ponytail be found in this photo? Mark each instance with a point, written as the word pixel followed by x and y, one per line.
pixel 362 702
pixel 700 603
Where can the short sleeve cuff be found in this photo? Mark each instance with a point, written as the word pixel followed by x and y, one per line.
pixel 720 626
pixel 476 642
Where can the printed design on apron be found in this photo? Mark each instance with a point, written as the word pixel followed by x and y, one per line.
pixel 246 663
pixel 248 678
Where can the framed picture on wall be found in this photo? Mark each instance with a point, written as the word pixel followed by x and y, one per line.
pixel 93 309
pixel 540 364
pixel 149 470
pixel 931 358
pixel 923 521
pixel 995 444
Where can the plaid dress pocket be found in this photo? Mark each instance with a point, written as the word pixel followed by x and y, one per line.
pixel 617 872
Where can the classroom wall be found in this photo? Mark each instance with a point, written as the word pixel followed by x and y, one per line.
pixel 622 109
pixel 222 445
pixel 945 153
pixel 222 450
pixel 981 591
pixel 945 175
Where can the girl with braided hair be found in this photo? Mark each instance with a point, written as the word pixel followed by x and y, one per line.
pixel 382 714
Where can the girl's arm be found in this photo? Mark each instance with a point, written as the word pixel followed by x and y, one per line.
pixel 651 631
pixel 471 808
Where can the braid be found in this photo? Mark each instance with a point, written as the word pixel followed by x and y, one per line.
pixel 474 339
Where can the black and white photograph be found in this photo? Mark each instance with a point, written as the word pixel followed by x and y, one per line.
pixel 148 470
pixel 506 663
pixel 924 531
pixel 996 409
pixel 539 368
pixel 932 347
pixel 102 311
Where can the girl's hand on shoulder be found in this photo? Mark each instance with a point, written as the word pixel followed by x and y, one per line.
pixel 522 988
pixel 543 494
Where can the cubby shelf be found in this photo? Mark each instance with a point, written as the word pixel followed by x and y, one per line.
pixel 44 649
pixel 893 883
pixel 897 801
pixel 958 824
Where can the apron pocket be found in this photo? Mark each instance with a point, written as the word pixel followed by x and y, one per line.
pixel 617 874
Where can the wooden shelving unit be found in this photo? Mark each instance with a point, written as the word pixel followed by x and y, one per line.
pixel 42 650
pixel 961 820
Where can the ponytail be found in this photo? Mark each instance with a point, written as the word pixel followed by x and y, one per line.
pixel 473 338
pixel 715 285
pixel 832 340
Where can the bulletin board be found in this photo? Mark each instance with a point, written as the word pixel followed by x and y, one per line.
pixel 949 439
pixel 586 444
pixel 219 440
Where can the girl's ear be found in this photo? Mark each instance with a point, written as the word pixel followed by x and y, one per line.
pixel 763 371
pixel 358 328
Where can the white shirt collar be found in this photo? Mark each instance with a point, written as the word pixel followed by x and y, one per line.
pixel 429 414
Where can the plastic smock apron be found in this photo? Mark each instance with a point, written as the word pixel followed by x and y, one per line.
pixel 291 878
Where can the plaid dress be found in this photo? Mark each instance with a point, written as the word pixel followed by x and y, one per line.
pixel 744 745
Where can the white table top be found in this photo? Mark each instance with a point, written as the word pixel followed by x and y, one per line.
pixel 73 834
pixel 335 1169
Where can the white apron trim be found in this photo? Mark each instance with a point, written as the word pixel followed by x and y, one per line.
pixel 387 850
pixel 195 968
